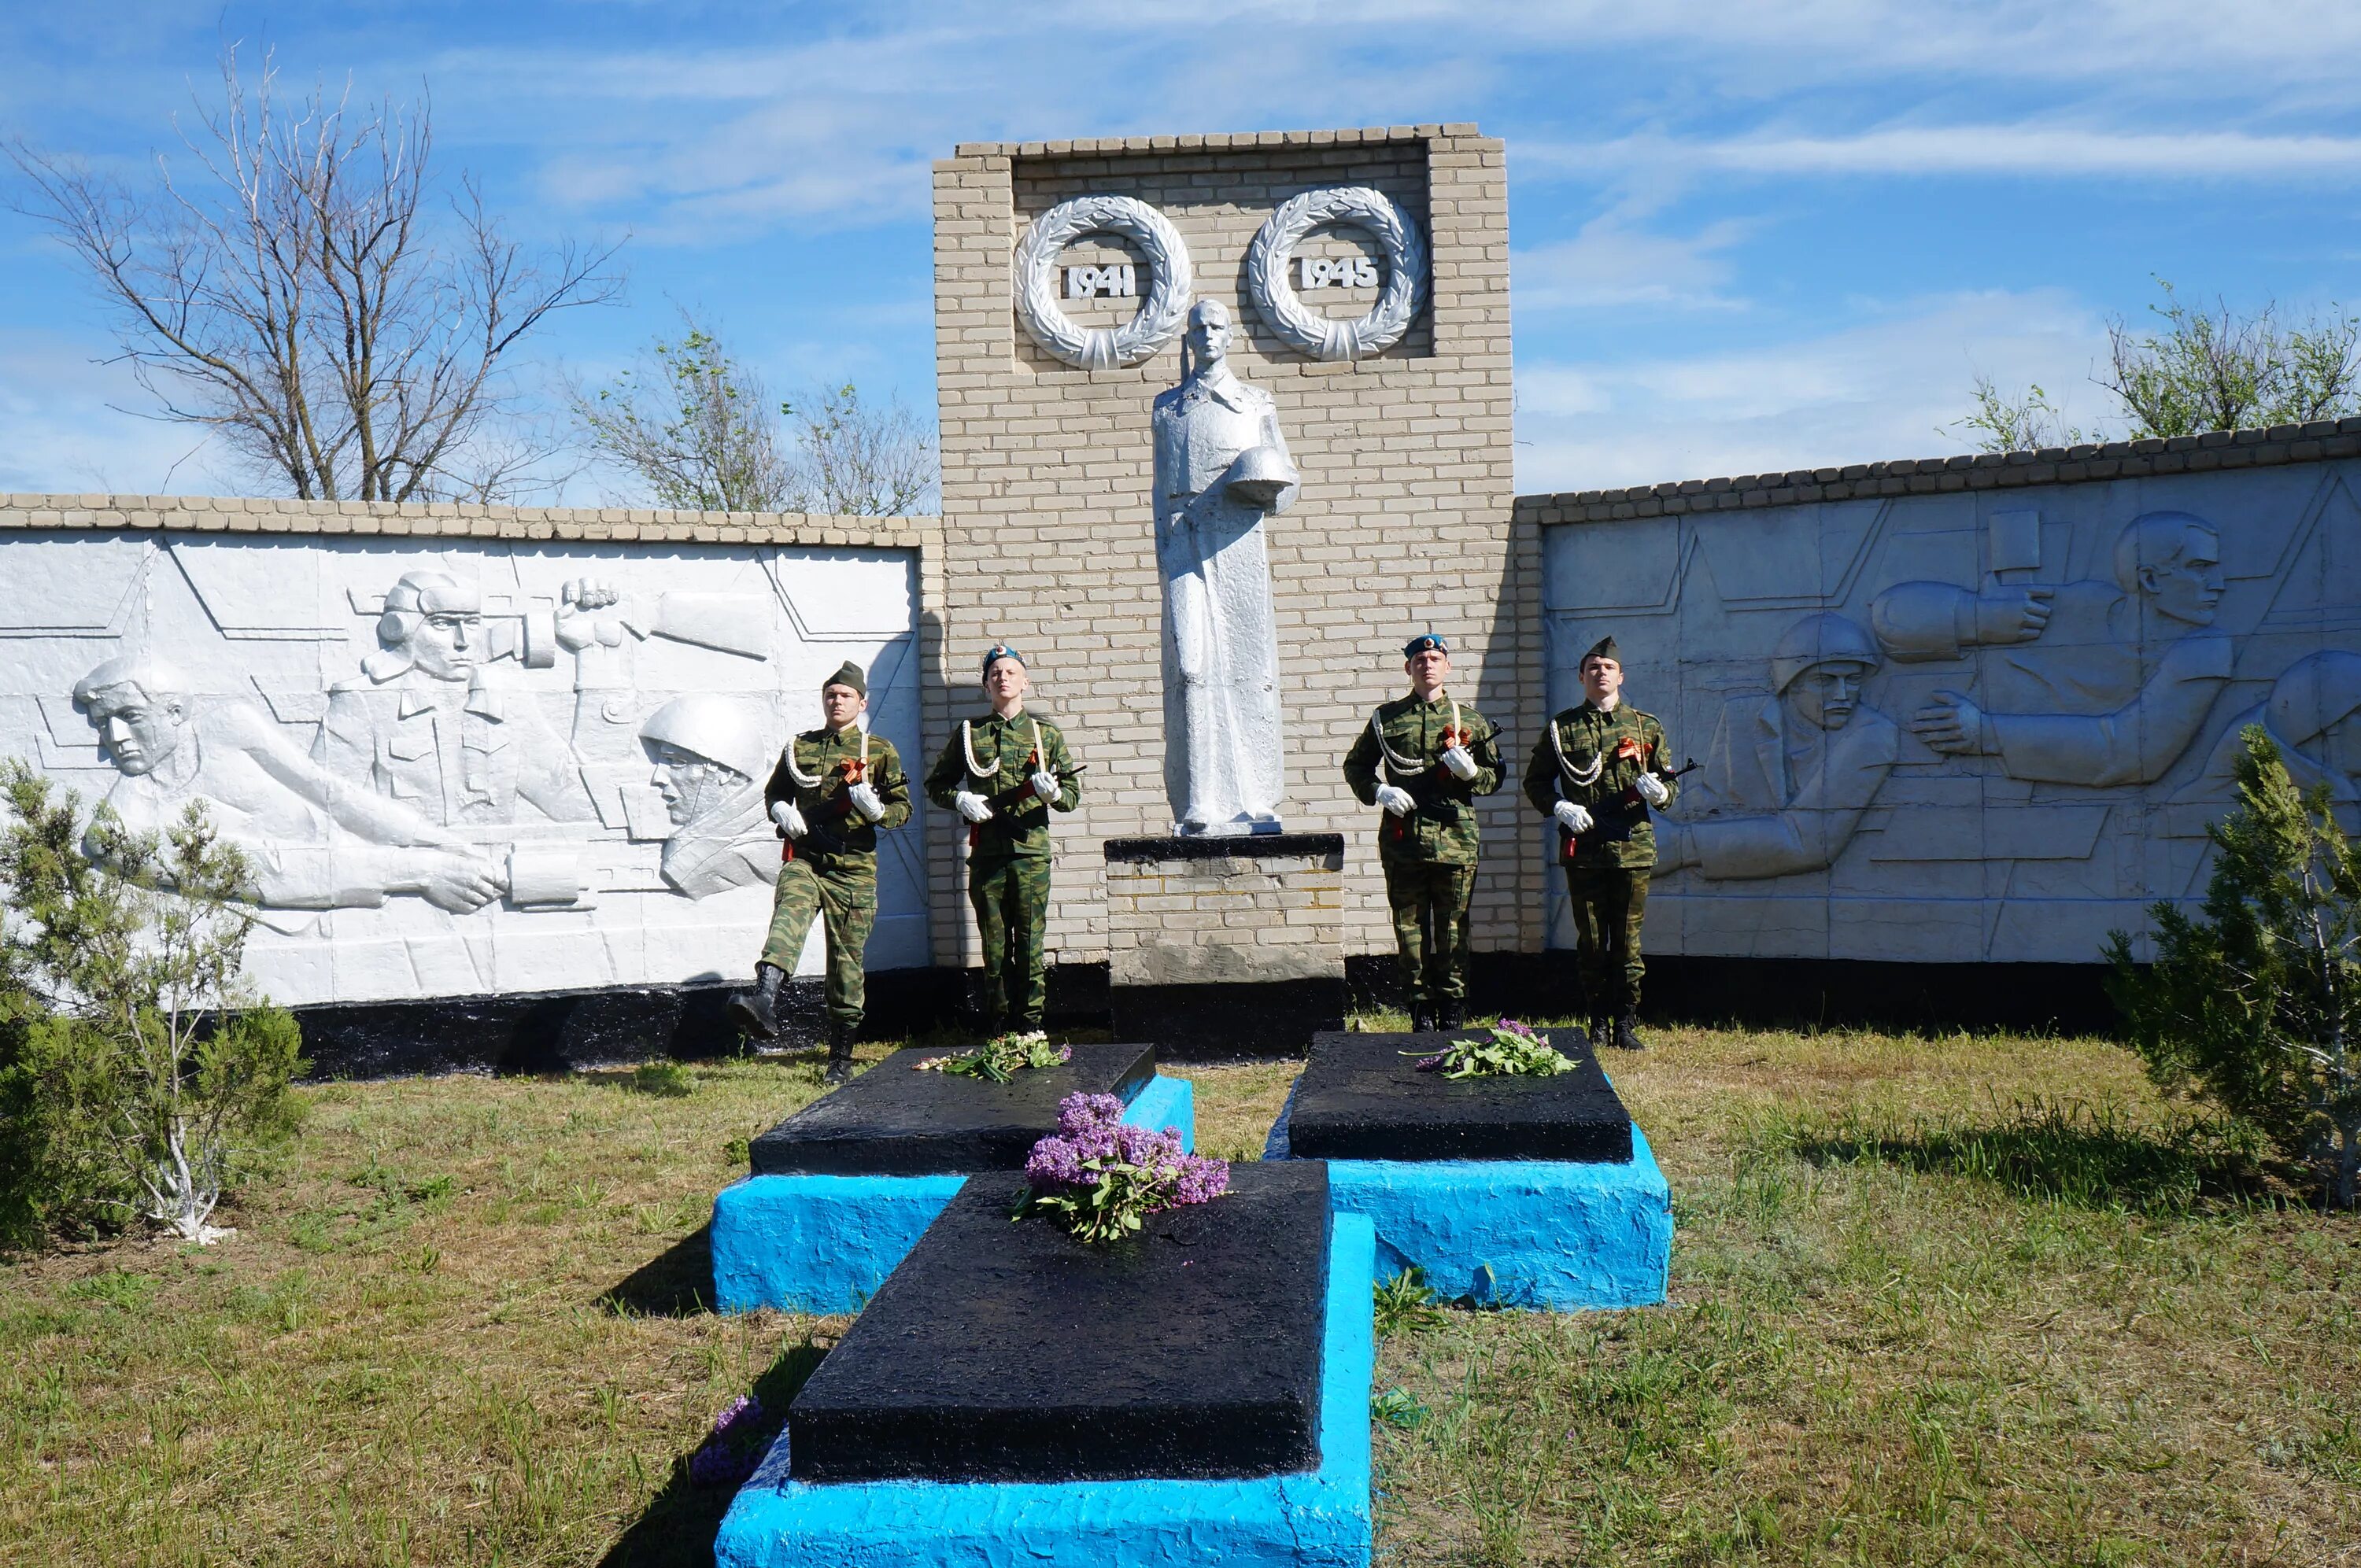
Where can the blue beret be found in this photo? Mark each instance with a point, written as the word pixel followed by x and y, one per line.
pixel 1422 642
pixel 1000 650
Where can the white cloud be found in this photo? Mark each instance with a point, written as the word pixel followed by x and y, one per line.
pixel 1614 260
pixel 2063 152
pixel 63 428
pixel 1879 389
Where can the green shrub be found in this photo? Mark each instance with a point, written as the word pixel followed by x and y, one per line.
pixel 2255 1004
pixel 139 1073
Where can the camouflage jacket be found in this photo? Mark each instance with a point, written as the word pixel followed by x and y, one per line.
pixel 831 759
pixel 996 758
pixel 1442 826
pixel 1593 758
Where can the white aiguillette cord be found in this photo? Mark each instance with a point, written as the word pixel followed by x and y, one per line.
pixel 1399 765
pixel 1574 774
pixel 967 744
pixel 806 780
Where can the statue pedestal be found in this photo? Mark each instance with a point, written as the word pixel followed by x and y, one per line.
pixel 1223 948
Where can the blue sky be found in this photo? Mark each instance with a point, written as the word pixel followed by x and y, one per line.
pixel 1744 236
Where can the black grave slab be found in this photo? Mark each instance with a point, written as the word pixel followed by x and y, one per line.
pixel 1002 1351
pixel 896 1120
pixel 1361 1097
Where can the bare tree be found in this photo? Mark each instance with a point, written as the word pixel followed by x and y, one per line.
pixel 699 431
pixel 304 295
pixel 860 460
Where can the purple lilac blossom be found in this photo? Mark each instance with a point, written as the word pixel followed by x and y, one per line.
pixel 1428 1064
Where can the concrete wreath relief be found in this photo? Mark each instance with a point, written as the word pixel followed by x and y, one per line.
pixel 1968 728
pixel 442 761
pixel 1170 289
pixel 1402 296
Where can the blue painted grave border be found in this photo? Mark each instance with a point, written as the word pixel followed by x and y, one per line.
pixel 1317 1518
pixel 1560 1235
pixel 825 1244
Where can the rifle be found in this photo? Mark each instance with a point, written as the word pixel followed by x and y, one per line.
pixel 1613 825
pixel 1018 794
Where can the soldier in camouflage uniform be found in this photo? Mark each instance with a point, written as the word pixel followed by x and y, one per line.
pixel 1004 773
pixel 833 789
pixel 1598 770
pixel 1424 759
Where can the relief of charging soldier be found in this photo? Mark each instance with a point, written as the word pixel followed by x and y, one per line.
pixel 311 840
pixel 1598 770
pixel 1004 773
pixel 2090 683
pixel 833 791
pixel 426 723
pixel 1422 760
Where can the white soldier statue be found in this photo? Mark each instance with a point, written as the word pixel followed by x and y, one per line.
pixel 1221 467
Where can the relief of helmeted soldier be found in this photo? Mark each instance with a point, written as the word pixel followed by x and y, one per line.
pixel 425 724
pixel 1789 775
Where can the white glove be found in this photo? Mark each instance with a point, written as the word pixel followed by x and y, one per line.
pixel 1653 790
pixel 1044 784
pixel 971 806
pixel 1397 801
pixel 1461 762
pixel 1571 817
pixel 865 800
pixel 790 820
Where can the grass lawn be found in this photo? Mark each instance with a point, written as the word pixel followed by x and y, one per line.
pixel 1962 1300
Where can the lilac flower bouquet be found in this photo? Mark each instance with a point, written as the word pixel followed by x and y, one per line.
pixel 731 1451
pixel 1098 1177
pixel 1506 1048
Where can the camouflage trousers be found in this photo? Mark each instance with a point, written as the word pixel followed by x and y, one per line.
pixel 1429 899
pixel 1609 902
pixel 1012 915
pixel 845 898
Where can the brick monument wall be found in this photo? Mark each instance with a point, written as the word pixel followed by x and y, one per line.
pixel 1405 520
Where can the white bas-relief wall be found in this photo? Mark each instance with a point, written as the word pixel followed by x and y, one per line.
pixel 1982 726
pixel 463 767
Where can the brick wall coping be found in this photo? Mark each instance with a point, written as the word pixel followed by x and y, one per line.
pixel 1087 144
pixel 2279 444
pixel 214 514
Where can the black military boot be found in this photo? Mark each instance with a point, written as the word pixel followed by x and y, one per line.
pixel 756 1011
pixel 1601 1032
pixel 840 1053
pixel 1422 1018
pixel 1450 1014
pixel 1625 1039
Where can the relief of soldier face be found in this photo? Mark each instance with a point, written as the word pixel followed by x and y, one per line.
pixel 2187 589
pixel 1826 695
pixel 445 641
pixel 138 731
pixel 691 786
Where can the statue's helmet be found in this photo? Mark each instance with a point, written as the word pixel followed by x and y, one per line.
pixel 1823 639
pixel 2317 692
pixel 718 728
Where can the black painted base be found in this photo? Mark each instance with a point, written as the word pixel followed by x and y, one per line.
pixel 896 1121
pixel 1210 1024
pixel 1362 1097
pixel 563 1031
pixel 1001 1352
